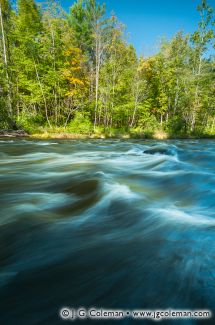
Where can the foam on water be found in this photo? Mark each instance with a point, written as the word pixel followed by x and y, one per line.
pixel 116 190
pixel 45 143
pixel 177 216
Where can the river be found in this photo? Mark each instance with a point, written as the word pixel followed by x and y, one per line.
pixel 106 223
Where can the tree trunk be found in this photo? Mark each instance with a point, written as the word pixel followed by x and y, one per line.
pixel 43 95
pixel 135 103
pixel 176 98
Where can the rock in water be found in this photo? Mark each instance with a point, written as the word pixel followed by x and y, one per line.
pixel 162 150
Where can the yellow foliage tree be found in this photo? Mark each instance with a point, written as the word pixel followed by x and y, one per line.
pixel 75 73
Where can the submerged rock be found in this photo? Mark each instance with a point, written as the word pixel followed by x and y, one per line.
pixel 162 150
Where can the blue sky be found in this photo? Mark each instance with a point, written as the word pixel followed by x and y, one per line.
pixel 149 20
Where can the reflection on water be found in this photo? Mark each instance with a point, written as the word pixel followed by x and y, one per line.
pixel 115 224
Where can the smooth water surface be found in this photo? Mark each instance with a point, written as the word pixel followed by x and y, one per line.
pixel 105 223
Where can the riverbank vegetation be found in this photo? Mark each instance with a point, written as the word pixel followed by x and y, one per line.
pixel 76 73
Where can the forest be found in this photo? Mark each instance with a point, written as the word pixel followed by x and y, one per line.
pixel 76 72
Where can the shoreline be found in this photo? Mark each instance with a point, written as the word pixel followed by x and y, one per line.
pixel 21 134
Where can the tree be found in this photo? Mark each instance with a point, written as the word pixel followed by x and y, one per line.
pixel 28 33
pixel 200 40
pixel 75 75
pixel 56 39
pixel 91 30
pixel 59 69
pixel 5 24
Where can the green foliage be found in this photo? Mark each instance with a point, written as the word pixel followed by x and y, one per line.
pixel 148 123
pixel 77 73
pixel 80 124
pixel 3 115
pixel 31 123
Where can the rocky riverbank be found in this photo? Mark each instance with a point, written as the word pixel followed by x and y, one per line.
pixel 13 133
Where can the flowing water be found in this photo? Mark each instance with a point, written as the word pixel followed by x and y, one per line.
pixel 106 223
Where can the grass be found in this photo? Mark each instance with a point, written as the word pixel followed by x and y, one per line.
pixel 59 133
pixel 112 133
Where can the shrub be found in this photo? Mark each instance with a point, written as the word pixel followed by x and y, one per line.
pixel 80 124
pixel 31 123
